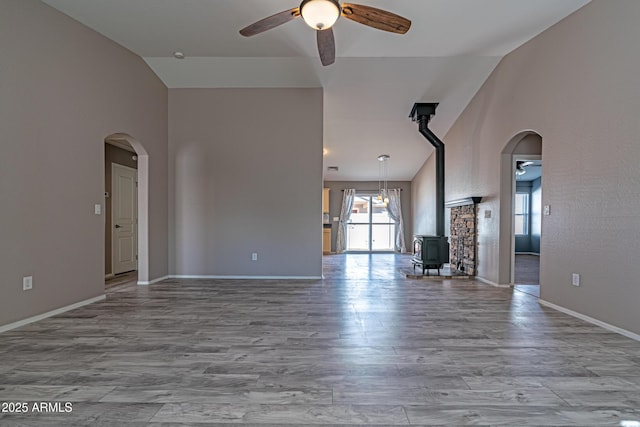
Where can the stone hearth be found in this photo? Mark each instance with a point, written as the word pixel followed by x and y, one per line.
pixel 463 239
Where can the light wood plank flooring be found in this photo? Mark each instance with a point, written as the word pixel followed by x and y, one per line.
pixel 527 269
pixel 364 346
pixel 121 279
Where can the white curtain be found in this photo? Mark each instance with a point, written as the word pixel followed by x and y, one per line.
pixel 345 213
pixel 395 212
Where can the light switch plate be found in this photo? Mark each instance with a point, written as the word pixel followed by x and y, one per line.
pixel 27 283
pixel 97 209
pixel 487 214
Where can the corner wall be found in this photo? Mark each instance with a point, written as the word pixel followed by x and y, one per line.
pixel 423 196
pixel 63 89
pixel 246 176
pixel 576 84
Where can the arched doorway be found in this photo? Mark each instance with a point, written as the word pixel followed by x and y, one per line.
pixel 526 146
pixel 142 200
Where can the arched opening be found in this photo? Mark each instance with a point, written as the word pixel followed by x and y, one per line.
pixel 123 140
pixel 526 146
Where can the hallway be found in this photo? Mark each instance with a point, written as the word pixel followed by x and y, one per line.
pixel 527 274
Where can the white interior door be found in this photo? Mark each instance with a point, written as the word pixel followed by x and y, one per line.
pixel 124 218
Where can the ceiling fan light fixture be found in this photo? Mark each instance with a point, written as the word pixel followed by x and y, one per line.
pixel 521 165
pixel 320 14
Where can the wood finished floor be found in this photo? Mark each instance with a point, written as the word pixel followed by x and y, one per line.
pixel 364 346
pixel 527 269
pixel 121 279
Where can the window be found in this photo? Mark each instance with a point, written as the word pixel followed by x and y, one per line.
pixel 521 219
pixel 370 226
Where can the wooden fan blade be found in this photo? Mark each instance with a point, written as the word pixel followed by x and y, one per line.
pixel 326 46
pixel 270 22
pixel 376 18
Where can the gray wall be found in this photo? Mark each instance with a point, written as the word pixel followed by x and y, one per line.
pixel 575 84
pixel 423 196
pixel 246 176
pixel 335 204
pixel 63 89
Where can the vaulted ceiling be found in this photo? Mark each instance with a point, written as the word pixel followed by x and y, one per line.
pixel 450 50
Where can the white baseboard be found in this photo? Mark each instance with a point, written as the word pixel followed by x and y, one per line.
pixel 151 282
pixel 51 313
pixel 190 276
pixel 109 276
pixel 586 318
pixel 489 282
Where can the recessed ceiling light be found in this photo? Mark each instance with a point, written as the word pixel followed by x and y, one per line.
pixel 178 55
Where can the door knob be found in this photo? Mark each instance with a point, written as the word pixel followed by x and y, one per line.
pixel 118 226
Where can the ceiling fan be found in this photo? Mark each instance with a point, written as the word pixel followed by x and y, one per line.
pixel 520 165
pixel 322 14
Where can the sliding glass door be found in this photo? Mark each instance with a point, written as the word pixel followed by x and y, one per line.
pixel 370 227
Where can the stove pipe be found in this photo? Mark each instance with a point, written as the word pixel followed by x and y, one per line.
pixel 422 113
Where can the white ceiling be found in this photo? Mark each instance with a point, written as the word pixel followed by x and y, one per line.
pixel 452 47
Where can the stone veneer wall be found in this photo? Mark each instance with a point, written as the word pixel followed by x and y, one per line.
pixel 463 239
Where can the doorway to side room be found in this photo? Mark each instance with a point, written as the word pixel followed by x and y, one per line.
pixel 527 221
pixel 126 200
pixel 521 212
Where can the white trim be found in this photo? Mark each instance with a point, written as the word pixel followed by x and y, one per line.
pixel 55 312
pixel 188 276
pixel 198 276
pixel 109 276
pixel 528 253
pixel 489 282
pixel 586 318
pixel 151 282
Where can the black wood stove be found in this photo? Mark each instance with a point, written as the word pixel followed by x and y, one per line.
pixel 431 252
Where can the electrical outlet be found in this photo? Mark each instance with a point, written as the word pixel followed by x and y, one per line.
pixel 254 256
pixel 575 279
pixel 547 210
pixel 27 283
